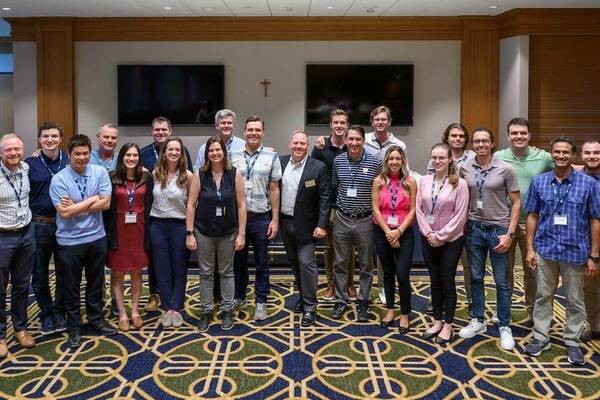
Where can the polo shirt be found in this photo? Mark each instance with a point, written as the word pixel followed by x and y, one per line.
pixel 498 180
pixel 84 228
pixel 327 154
pixel 571 242
pixel 109 165
pixel 289 185
pixel 534 163
pixel 14 197
pixel 258 169
pixel 233 144
pixel 149 155
pixel 373 147
pixel 359 175
pixel 41 171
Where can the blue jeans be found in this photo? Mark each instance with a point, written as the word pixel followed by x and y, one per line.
pixel 481 239
pixel 45 246
pixel 256 234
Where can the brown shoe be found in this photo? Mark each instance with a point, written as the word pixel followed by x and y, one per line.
pixel 124 325
pixel 153 303
pixel 3 348
pixel 352 293
pixel 329 292
pixel 25 339
pixel 138 322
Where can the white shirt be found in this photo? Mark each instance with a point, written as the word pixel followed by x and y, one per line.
pixel 289 185
pixel 373 147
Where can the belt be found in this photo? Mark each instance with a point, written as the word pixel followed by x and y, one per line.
pixel 17 230
pixel 485 227
pixel 285 216
pixel 47 220
pixel 361 215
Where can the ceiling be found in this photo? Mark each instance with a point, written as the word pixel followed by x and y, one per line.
pixel 275 8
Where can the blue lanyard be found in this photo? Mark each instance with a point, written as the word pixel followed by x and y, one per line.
pixel 394 194
pixel 155 152
pixel 48 168
pixel 480 177
pixel 434 197
pixel 130 195
pixel 17 193
pixel 82 191
pixel 352 172
pixel 250 164
pixel 559 200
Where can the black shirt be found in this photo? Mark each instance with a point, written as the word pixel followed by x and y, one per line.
pixel 207 220
pixel 327 154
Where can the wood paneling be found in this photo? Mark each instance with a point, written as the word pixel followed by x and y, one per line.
pixel 479 73
pixel 555 21
pixel 55 81
pixel 564 87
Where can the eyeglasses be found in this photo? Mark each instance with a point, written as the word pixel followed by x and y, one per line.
pixel 481 141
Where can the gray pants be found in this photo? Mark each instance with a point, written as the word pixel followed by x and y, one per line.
pixel 210 251
pixel 347 234
pixel 592 301
pixel 304 264
pixel 547 273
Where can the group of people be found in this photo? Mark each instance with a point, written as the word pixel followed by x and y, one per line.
pixel 146 208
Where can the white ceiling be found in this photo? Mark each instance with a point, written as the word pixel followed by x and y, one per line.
pixel 275 8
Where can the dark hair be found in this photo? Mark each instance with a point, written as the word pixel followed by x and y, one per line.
pixel 453 175
pixel 564 139
pixel 79 140
pixel 120 174
pixel 336 112
pixel 254 118
pixel 161 172
pixel 358 129
pixel 50 125
pixel 207 164
pixel 489 132
pixel 160 120
pixel 459 126
pixel 518 121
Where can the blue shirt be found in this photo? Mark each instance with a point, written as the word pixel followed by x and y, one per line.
pixel 234 144
pixel 149 155
pixel 108 165
pixel 567 243
pixel 41 171
pixel 84 228
pixel 358 175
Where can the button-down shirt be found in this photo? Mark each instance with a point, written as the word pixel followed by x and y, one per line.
pixel 571 242
pixel 289 185
pixel 264 168
pixel 14 197
pixel 372 145
pixel 149 155
pixel 41 171
pixel 358 175
pixel 233 144
pixel 96 159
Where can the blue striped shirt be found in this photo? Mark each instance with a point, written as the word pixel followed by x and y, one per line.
pixel 571 242
pixel 359 175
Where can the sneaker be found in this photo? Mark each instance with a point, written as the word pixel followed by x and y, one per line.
pixel 495 319
pixel 338 310
pixel 589 334
pixel 474 328
pixel 165 320
pixel 575 356
pixel 176 319
pixel 260 314
pixel 60 325
pixel 204 322
pixel 47 326
pixel 228 320
pixel 74 339
pixel 382 295
pixel 362 314
pixel 239 303
pixel 506 338
pixel 535 347
pixel 153 303
pixel 329 292
pixel 352 295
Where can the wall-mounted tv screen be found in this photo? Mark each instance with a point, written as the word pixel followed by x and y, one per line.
pixel 358 89
pixel 186 94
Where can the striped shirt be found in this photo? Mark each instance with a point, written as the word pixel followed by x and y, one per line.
pixel 348 176
pixel 258 169
pixel 580 197
pixel 14 197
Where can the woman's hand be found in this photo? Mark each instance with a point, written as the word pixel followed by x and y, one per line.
pixel 240 242
pixel 393 235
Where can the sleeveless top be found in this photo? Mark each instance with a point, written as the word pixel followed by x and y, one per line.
pixel 170 201
pixel 208 221
pixel 394 200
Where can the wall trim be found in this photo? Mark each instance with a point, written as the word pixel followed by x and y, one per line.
pixel 550 21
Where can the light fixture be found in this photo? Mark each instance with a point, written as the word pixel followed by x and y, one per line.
pixel 208 9
pixel 248 7
pixel 167 8
pixel 370 10
pixel 493 7
pixel 330 7
pixel 6 8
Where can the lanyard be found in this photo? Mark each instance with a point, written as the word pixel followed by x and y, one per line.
pixel 480 177
pixel 353 173
pixel 434 197
pixel 48 168
pixel 130 195
pixel 155 152
pixel 12 185
pixel 250 164
pixel 228 145
pixel 82 190
pixel 560 199
pixel 394 195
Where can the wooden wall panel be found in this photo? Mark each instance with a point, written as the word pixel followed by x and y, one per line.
pixel 564 87
pixel 553 21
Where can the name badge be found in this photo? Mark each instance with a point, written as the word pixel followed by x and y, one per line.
pixel 560 219
pixel 310 183
pixel 365 170
pixel 480 204
pixel 220 211
pixel 130 218
pixel 430 219
pixel 248 184
pixel 351 192
pixel 392 221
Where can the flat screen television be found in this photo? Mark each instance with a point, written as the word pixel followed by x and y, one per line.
pixel 186 94
pixel 358 89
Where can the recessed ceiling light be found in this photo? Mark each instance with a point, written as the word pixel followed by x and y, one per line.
pixel 208 9
pixel 370 10
pixel 493 7
pixel 330 7
pixel 5 8
pixel 167 8
pixel 248 7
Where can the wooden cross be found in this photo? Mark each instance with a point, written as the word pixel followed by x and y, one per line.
pixel 266 84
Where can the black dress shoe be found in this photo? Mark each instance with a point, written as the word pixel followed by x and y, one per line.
pixel 386 324
pixel 74 339
pixel 430 335
pixel 308 318
pixel 299 307
pixel 403 329
pixel 103 328
pixel 440 340
pixel 204 321
pixel 338 311
pixel 363 313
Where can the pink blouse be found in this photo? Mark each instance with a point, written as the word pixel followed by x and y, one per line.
pixel 450 212
pixel 394 202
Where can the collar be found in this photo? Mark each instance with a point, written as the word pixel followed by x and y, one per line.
pixel 300 163
pixel 569 178
pixel 329 143
pixel 514 156
pixel 50 160
pixel 106 160
pixel 491 165
pixel 255 151
pixel 76 174
pixel 589 173
pixel 9 171
pixel 362 156
pixel 373 138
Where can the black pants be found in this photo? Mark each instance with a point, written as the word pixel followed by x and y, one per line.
pixel 75 259
pixel 396 264
pixel 442 262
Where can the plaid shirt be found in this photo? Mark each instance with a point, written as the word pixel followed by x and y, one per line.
pixel 571 242
pixel 14 212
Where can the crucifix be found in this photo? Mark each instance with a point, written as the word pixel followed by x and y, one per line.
pixel 266 84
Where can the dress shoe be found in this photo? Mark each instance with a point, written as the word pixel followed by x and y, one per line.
pixel 204 322
pixel 103 328
pixel 124 325
pixel 329 292
pixel 299 306
pixel 153 303
pixel 403 329
pixel 352 293
pixel 228 320
pixel 338 311
pixel 430 335
pixel 362 314
pixel 3 349
pixel 59 323
pixel 386 324
pixel 308 318
pixel 25 339
pixel 74 339
pixel 441 340
pixel 138 322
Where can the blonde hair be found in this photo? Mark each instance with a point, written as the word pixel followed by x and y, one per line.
pixel 453 175
pixel 384 176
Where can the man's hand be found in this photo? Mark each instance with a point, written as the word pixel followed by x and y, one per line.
pixel 592 268
pixel 240 242
pixel 272 230
pixel 190 242
pixel 319 233
pixel 320 143
pixel 504 245
pixel 531 259
pixel 66 201
pixel 36 153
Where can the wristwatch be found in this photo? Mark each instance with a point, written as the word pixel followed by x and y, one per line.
pixel 511 234
pixel 189 232
pixel 595 259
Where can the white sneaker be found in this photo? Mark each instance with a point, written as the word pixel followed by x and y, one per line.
pixel 495 319
pixel 506 338
pixel 260 314
pixel 166 320
pixel 176 319
pixel 382 295
pixel 474 328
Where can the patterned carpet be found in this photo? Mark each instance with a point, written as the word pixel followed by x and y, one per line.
pixel 277 359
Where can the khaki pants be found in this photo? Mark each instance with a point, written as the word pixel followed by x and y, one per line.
pixel 329 256
pixel 591 287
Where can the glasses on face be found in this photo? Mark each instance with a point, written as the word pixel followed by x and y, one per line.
pixel 436 158
pixel 482 141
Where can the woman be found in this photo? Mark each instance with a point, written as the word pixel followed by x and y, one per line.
pixel 216 212
pixel 127 230
pixel 393 199
pixel 169 254
pixel 442 203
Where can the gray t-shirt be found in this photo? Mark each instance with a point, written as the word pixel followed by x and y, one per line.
pixel 497 180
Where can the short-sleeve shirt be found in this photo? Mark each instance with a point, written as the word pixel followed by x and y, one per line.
pixel 358 175
pixel 373 147
pixel 84 228
pixel 109 165
pixel 233 144
pixel 14 197
pixel 580 197
pixel 259 169
pixel 41 171
pixel 497 180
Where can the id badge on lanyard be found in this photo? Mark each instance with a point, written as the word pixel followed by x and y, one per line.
pixel 351 192
pixel 560 219
pixel 429 219
pixel 392 221
pixel 130 218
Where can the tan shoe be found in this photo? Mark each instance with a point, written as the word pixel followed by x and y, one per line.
pixel 153 303
pixel 329 292
pixel 352 293
pixel 138 322
pixel 25 339
pixel 3 348
pixel 124 325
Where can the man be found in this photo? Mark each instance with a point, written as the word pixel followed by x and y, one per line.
pixel 305 209
pixel 17 240
pixel 590 154
pixel 161 130
pixel 332 147
pixel 42 168
pixel 528 162
pixel 225 126
pixel 104 155
pixel 563 238
pixel 80 193
pixel 261 170
pixel 491 228
pixel 353 175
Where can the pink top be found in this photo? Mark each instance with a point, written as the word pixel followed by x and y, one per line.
pixel 397 196
pixel 450 212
